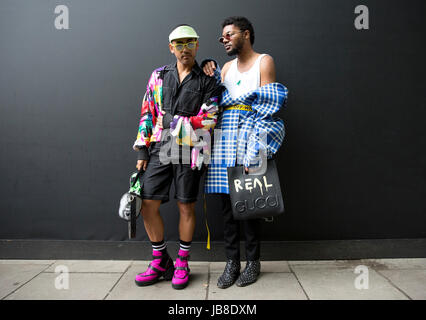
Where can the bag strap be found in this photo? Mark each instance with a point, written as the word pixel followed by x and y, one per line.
pixel 137 177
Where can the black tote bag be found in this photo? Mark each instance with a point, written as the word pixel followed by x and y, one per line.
pixel 254 195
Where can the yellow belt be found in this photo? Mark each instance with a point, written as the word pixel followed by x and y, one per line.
pixel 239 107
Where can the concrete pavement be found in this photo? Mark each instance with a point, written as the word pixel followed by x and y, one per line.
pixel 382 279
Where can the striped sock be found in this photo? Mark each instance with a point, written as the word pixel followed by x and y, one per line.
pixel 159 246
pixel 184 245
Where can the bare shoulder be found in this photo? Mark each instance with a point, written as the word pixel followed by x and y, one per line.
pixel 267 70
pixel 267 62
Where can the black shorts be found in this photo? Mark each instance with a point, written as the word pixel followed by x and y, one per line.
pixel 158 178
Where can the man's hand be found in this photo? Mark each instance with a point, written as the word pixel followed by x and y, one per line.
pixel 141 164
pixel 209 68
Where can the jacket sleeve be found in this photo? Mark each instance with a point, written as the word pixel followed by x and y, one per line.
pixel 146 123
pixel 269 131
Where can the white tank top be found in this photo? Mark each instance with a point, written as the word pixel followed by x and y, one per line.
pixel 239 83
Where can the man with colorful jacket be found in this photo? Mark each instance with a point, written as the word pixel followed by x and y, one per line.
pixel 177 117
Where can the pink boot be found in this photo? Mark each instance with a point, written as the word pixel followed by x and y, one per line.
pixel 181 275
pixel 155 271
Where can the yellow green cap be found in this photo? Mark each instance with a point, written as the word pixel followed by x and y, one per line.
pixel 183 32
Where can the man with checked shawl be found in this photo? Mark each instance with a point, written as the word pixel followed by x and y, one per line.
pixel 247 128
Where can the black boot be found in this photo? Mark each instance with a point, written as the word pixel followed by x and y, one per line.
pixel 249 274
pixel 230 274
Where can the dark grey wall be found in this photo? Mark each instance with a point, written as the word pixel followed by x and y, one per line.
pixel 352 165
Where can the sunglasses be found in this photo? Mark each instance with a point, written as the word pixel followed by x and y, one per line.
pixel 180 46
pixel 228 36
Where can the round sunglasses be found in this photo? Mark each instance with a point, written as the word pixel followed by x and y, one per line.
pixel 228 36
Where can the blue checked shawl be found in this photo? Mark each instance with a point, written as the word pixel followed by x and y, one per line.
pixel 240 138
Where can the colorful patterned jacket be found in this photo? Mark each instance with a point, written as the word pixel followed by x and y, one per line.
pixel 183 128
